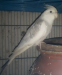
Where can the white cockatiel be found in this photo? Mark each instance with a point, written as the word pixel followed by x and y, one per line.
pixel 36 33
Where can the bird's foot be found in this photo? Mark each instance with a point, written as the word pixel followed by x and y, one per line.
pixel 38 47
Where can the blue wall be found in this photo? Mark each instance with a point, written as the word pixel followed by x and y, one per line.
pixel 29 5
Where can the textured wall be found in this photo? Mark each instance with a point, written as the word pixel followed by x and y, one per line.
pixel 12 23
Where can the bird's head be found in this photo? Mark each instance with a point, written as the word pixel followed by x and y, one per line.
pixel 50 14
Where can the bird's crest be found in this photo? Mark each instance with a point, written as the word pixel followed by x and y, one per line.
pixel 50 7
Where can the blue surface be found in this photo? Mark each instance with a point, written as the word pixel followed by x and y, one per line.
pixel 29 5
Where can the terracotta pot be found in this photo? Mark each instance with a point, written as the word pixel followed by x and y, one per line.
pixel 50 60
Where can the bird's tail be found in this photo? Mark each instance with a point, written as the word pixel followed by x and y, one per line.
pixel 3 67
pixel 17 52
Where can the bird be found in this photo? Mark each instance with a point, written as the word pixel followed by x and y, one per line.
pixel 37 32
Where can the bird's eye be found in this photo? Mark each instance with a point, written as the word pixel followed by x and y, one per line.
pixel 50 11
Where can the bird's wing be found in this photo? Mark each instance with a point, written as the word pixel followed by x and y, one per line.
pixel 31 33
pixel 35 32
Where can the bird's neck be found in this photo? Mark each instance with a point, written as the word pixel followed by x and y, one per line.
pixel 50 21
pixel 48 18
